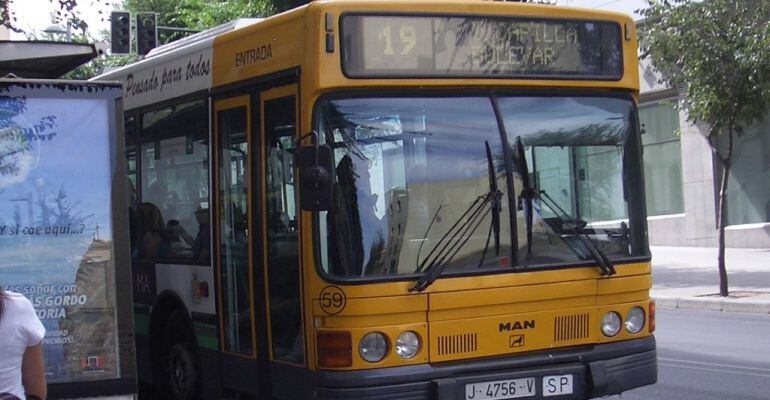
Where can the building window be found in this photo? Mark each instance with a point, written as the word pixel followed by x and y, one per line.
pixel 748 192
pixel 662 158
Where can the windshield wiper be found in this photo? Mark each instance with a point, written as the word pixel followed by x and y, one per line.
pixel 527 192
pixel 495 205
pixel 605 264
pixel 438 263
pixel 452 241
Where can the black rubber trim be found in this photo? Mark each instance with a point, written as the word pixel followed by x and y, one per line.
pixel 621 374
pixel 596 371
pixel 108 387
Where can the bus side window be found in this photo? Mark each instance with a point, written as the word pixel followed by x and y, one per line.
pixel 173 185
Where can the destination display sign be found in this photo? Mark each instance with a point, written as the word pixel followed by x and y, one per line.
pixel 439 46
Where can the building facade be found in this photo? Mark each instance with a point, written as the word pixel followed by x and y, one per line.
pixel 683 177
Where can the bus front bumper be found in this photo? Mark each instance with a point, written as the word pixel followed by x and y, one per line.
pixel 594 371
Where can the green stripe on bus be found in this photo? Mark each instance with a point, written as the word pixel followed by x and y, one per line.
pixel 207 335
pixel 141 324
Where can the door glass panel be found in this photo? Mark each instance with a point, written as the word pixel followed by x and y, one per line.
pixel 282 235
pixel 233 243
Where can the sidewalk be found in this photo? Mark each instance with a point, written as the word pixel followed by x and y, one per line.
pixel 688 277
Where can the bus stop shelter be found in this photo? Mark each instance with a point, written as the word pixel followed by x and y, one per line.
pixel 43 59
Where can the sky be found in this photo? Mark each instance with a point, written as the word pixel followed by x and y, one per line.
pixel 35 15
pixel 624 6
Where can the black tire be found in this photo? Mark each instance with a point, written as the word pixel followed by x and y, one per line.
pixel 178 375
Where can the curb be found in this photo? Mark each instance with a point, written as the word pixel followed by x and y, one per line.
pixel 744 306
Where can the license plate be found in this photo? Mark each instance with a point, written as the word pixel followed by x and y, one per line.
pixel 498 390
pixel 557 385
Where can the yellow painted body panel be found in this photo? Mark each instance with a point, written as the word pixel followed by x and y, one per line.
pixel 508 295
pixel 522 332
pixel 460 318
pixel 268 46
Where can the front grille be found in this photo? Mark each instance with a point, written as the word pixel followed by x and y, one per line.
pixel 571 327
pixel 456 344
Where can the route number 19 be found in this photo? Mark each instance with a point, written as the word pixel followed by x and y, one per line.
pixel 407 36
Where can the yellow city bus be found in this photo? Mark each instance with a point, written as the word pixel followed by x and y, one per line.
pixel 391 200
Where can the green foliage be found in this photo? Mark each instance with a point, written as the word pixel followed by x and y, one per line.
pixel 98 64
pixel 286 5
pixel 204 14
pixel 717 51
pixel 198 14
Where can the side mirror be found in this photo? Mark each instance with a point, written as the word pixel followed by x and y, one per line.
pixel 314 163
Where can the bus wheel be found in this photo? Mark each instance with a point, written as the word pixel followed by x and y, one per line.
pixel 180 363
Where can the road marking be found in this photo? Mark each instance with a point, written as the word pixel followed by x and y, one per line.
pixel 710 364
pixel 714 367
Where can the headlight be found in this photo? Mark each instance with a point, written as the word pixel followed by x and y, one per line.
pixel 611 324
pixel 373 347
pixel 635 320
pixel 407 344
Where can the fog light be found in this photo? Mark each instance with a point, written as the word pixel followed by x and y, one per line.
pixel 635 320
pixel 373 347
pixel 407 345
pixel 611 324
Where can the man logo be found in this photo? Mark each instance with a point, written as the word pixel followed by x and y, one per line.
pixel 516 341
pixel 516 326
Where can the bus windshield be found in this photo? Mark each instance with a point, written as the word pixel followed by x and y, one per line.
pixel 423 182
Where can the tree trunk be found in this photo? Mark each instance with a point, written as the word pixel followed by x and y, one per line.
pixel 722 217
pixel 722 221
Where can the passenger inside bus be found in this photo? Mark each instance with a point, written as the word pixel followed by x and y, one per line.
pixel 152 227
pixel 176 242
pixel 202 243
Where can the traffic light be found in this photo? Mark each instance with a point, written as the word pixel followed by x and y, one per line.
pixel 120 32
pixel 146 32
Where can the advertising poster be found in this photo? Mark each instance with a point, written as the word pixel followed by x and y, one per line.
pixel 55 223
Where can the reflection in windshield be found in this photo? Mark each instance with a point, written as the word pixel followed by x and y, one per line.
pixel 409 169
pixel 573 150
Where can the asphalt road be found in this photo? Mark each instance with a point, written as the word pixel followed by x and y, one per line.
pixel 709 356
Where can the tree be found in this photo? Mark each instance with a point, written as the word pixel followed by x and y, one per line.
pixel 197 14
pixel 286 5
pixel 716 52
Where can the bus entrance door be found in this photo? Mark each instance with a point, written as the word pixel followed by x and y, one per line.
pixel 281 244
pixel 233 245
